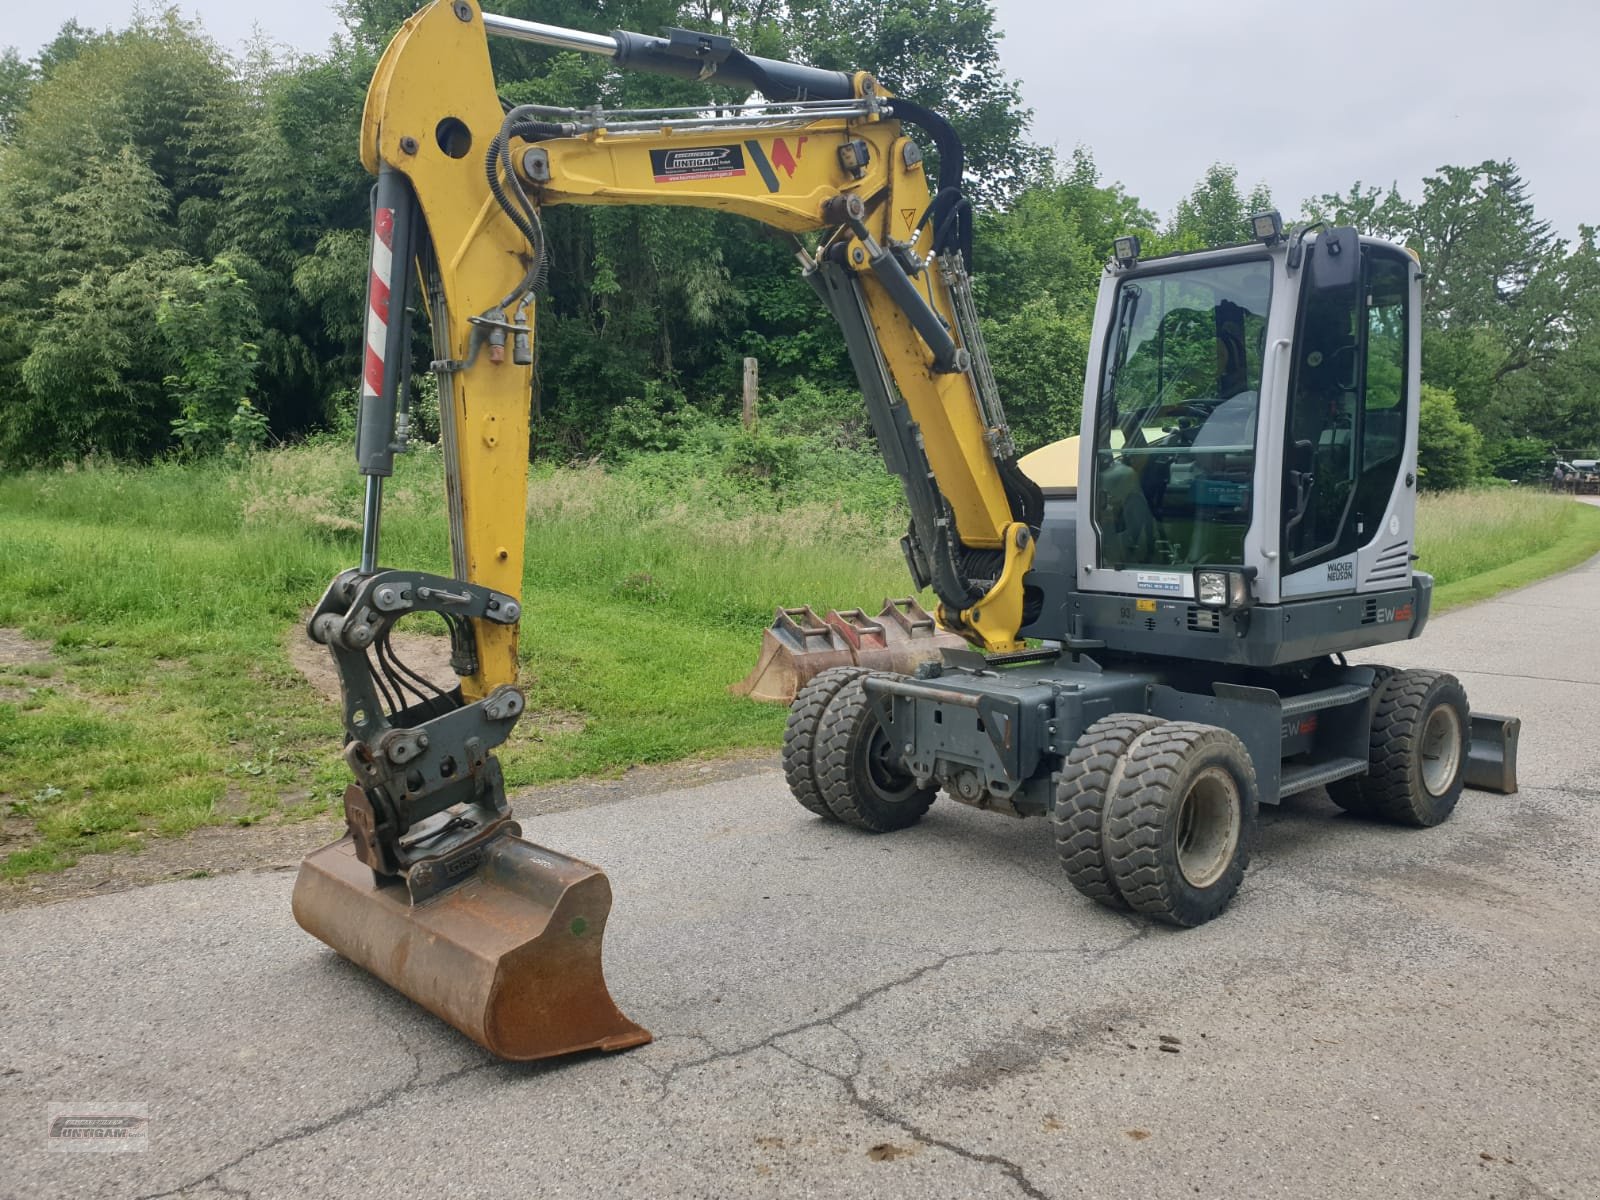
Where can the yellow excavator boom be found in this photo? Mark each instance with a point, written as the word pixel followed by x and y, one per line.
pixel 433 858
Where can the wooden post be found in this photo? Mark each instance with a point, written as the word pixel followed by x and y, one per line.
pixel 752 378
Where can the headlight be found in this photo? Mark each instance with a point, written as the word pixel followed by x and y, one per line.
pixel 1211 588
pixel 1224 588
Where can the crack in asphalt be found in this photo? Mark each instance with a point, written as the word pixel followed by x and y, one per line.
pixel 1143 930
pixel 414 1081
pixel 878 1111
pixel 411 1083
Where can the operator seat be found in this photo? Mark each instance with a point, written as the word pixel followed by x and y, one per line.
pixel 1128 529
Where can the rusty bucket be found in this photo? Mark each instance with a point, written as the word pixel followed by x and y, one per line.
pixel 900 638
pixel 799 645
pixel 795 647
pixel 510 955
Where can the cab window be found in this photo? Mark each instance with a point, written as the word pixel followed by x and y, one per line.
pixel 1346 429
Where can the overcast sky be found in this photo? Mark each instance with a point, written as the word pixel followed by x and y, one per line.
pixel 1377 90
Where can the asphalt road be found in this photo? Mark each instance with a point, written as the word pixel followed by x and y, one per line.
pixel 1382 1013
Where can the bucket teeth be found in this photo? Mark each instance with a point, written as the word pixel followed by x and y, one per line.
pixel 799 645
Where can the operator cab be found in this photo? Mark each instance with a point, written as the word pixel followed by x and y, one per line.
pixel 1248 442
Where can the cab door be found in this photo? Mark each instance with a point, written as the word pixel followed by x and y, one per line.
pixel 1349 489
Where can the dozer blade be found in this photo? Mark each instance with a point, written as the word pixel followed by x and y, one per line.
pixel 510 955
pixel 796 647
pixel 1492 753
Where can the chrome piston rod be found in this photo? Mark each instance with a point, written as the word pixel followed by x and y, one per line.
pixel 686 54
pixel 550 35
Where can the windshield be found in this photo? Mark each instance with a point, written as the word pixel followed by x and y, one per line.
pixel 1175 427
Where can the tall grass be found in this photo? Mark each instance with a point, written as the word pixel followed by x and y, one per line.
pixel 1467 533
pixel 169 593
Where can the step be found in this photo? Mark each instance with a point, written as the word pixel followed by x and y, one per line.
pixel 1344 693
pixel 1302 777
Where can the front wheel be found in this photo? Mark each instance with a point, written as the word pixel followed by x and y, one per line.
pixel 1089 778
pixel 1418 751
pixel 1179 827
pixel 860 775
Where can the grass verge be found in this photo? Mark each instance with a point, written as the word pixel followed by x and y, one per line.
pixel 158 696
pixel 1478 544
pixel 165 596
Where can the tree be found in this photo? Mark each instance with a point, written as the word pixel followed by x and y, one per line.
pixel 1370 209
pixel 299 238
pixel 1494 298
pixel 1216 213
pixel 16 80
pixel 71 40
pixel 108 187
pixel 945 55
pixel 209 321
pixel 79 371
pixel 1037 275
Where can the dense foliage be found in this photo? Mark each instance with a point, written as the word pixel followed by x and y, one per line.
pixel 182 255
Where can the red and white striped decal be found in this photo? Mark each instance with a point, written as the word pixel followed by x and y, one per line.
pixel 378 300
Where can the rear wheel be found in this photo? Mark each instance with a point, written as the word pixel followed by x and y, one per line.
pixel 860 775
pixel 800 735
pixel 1091 773
pixel 1179 827
pixel 1418 751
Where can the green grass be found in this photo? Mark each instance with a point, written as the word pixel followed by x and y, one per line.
pixel 168 594
pixel 1481 542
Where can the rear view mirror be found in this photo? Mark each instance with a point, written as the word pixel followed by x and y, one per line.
pixel 1335 262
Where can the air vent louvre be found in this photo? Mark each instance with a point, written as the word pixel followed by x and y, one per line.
pixel 1393 564
pixel 1203 620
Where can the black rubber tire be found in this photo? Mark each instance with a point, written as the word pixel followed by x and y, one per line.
pixel 1144 815
pixel 1395 787
pixel 800 735
pixel 857 775
pixel 1091 773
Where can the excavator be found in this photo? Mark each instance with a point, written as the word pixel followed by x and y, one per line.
pixel 1149 650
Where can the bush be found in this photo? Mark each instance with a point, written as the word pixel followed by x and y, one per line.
pixel 1520 460
pixel 1449 451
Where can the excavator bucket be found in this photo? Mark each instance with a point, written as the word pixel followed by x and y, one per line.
pixel 799 645
pixel 795 647
pixel 904 636
pixel 509 955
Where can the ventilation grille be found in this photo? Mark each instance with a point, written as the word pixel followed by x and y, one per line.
pixel 1204 620
pixel 1369 612
pixel 1393 565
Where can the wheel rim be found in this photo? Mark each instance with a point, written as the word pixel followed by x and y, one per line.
pixel 1208 827
pixel 889 780
pixel 1441 749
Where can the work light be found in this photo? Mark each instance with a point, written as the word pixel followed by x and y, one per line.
pixel 1226 588
pixel 1126 249
pixel 1268 227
